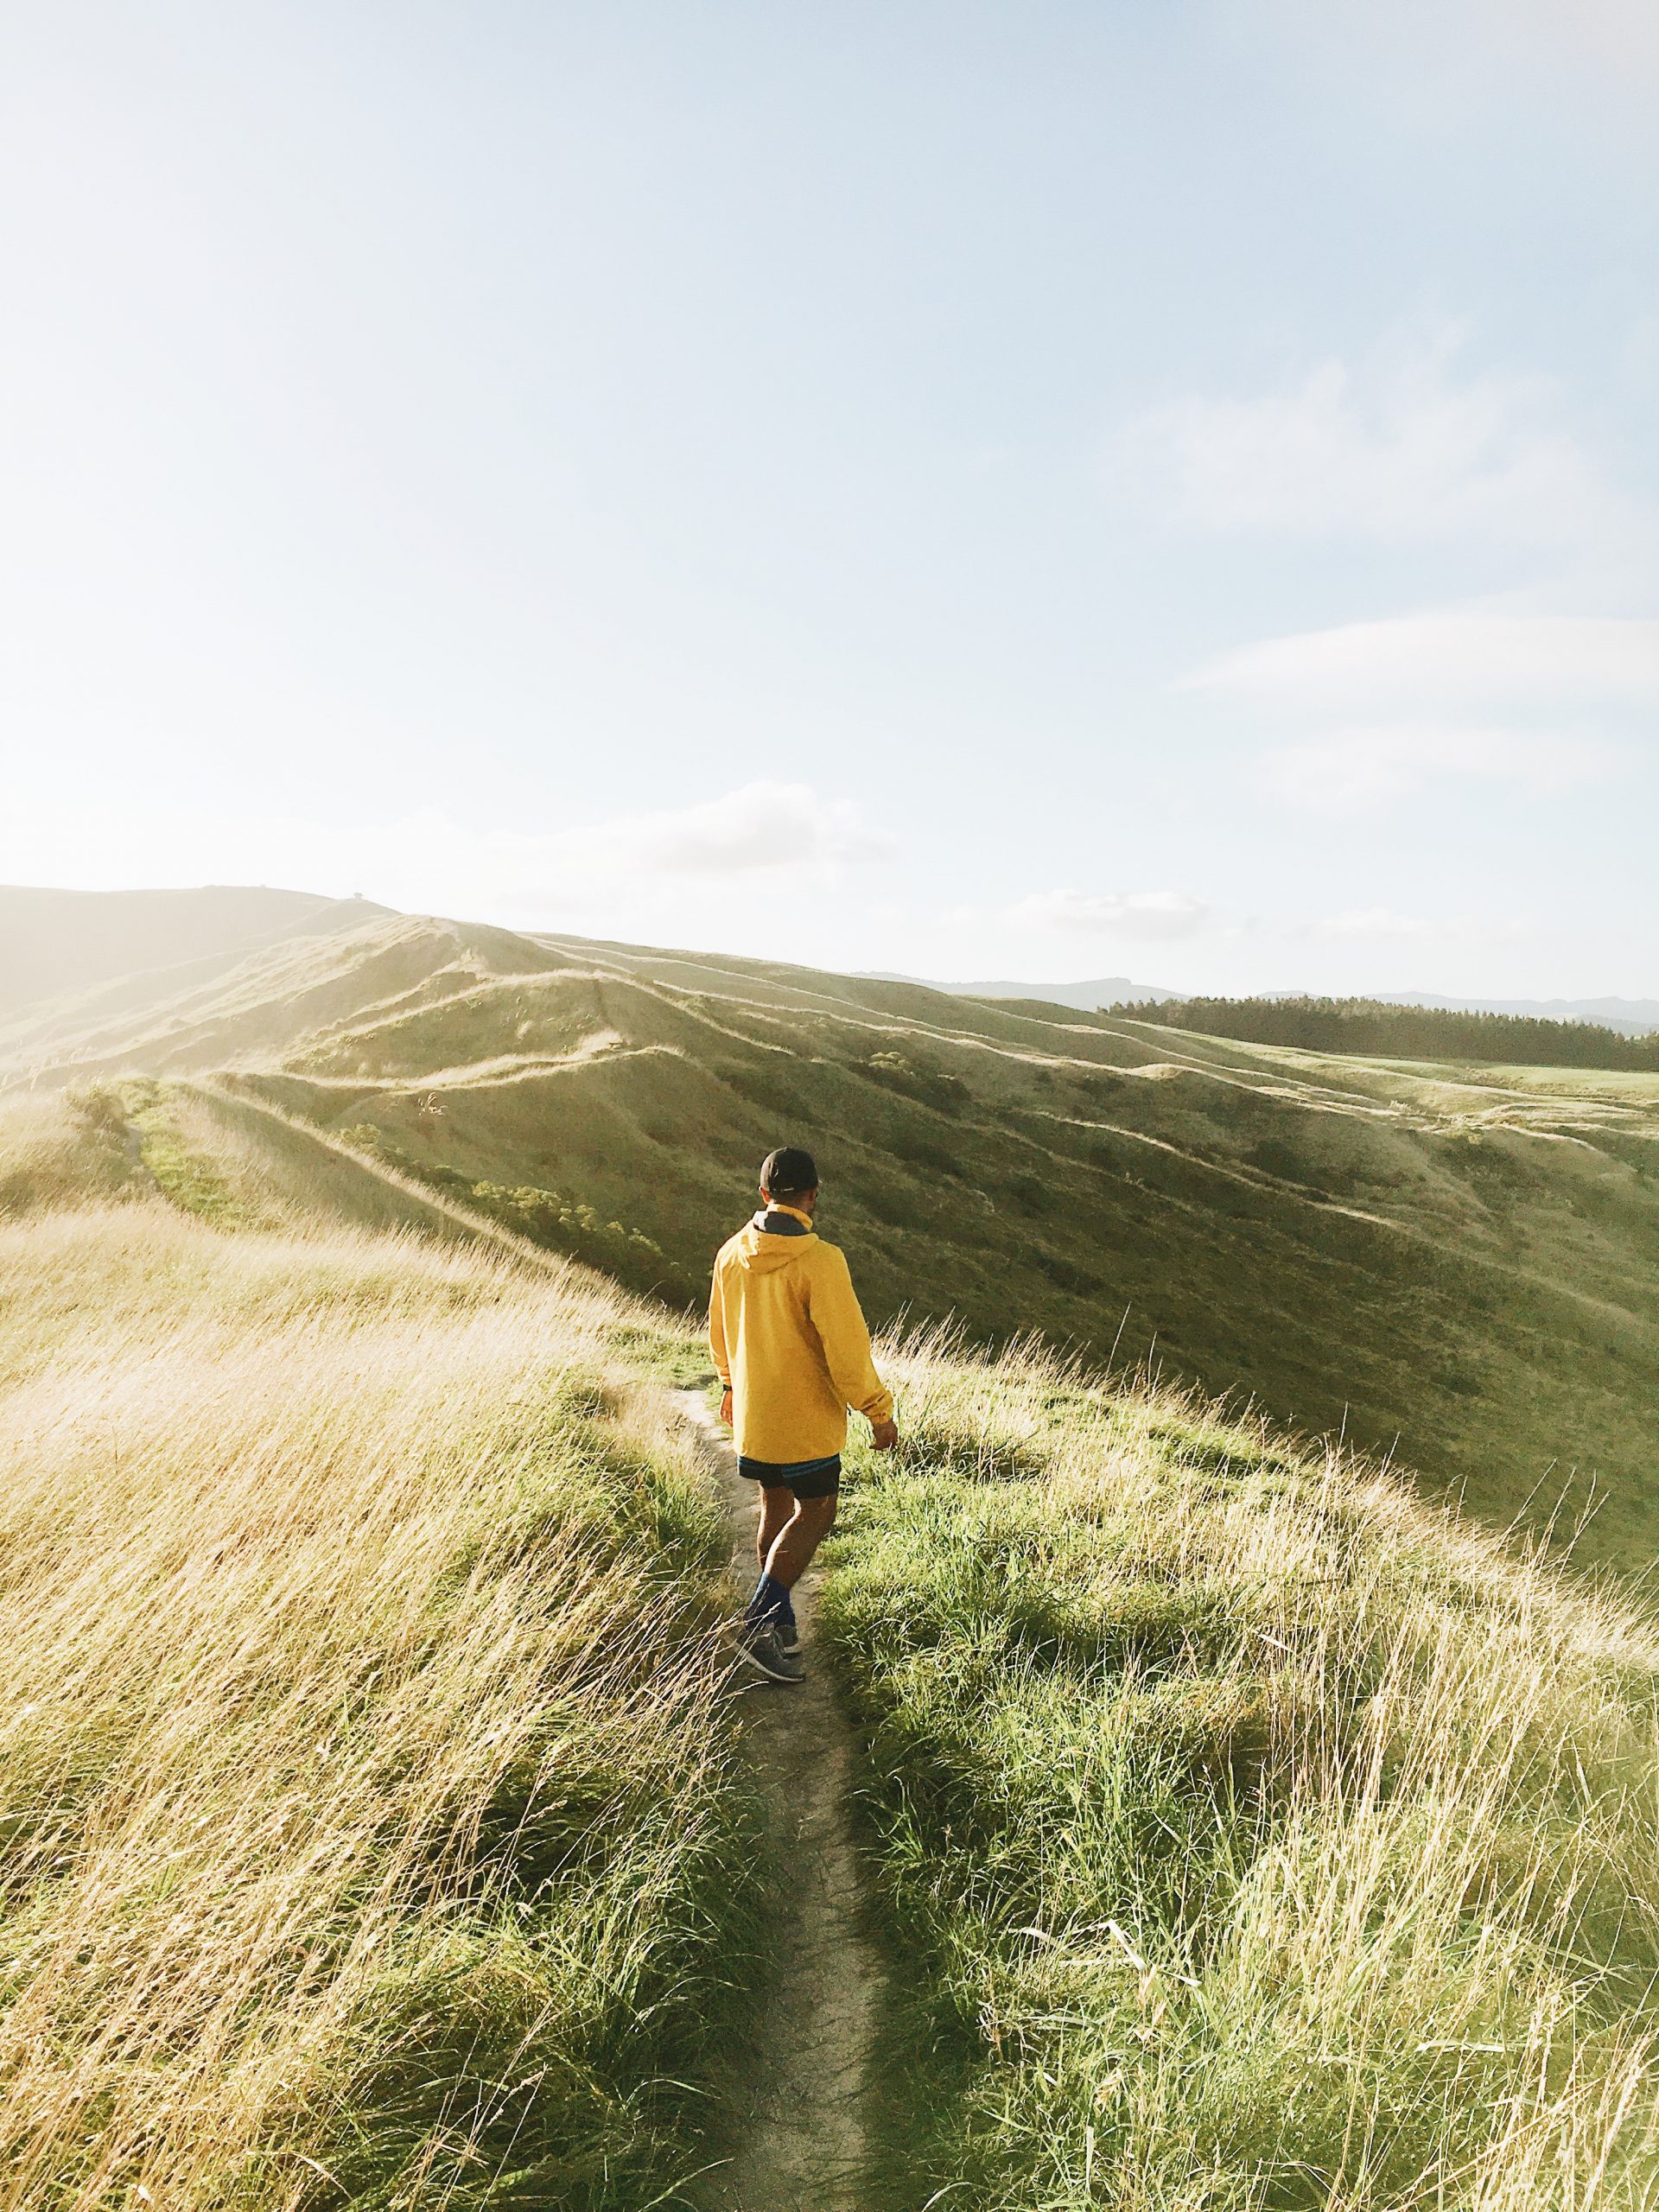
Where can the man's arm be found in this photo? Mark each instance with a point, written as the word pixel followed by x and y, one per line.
pixel 838 1318
pixel 718 1348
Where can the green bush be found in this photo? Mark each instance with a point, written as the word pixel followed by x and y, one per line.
pixel 947 1094
pixel 545 1217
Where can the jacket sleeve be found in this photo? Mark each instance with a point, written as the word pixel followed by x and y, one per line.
pixel 717 1345
pixel 833 1306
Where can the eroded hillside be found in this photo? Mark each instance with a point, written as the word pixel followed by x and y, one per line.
pixel 1460 1261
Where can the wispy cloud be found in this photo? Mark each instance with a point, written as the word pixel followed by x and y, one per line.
pixel 756 827
pixel 1350 771
pixel 1482 47
pixel 1384 925
pixel 1431 661
pixel 1142 914
pixel 648 863
pixel 670 867
pixel 1400 451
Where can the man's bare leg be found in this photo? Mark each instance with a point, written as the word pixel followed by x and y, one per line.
pixel 777 1509
pixel 790 1530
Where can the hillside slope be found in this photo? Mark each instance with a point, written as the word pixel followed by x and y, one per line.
pixel 1461 1260
pixel 372 1833
pixel 115 949
pixel 1259 1841
pixel 1253 1838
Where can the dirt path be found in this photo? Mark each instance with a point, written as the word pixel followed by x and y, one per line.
pixel 800 2105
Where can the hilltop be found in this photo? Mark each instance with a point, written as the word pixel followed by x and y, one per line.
pixel 1453 1262
pixel 119 948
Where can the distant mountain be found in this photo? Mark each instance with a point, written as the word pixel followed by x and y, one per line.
pixel 1103 990
pixel 52 943
pixel 1635 1017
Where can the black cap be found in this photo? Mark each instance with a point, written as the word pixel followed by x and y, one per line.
pixel 788 1172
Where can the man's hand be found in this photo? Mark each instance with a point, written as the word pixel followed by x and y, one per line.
pixel 726 1408
pixel 884 1435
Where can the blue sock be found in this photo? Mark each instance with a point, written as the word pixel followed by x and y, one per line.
pixel 770 1603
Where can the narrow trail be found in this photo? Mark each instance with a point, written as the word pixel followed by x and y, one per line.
pixel 801 2101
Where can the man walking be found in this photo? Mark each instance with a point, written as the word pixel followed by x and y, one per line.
pixel 792 1353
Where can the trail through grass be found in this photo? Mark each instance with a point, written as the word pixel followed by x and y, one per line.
pixel 1253 1837
pixel 799 2092
pixel 1453 1262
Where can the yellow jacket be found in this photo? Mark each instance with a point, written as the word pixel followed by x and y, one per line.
pixel 790 1342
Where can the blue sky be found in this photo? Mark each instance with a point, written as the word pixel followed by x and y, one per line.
pixel 1042 490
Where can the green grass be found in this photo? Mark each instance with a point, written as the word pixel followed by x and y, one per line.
pixel 1251 1837
pixel 371 1836
pixel 1451 1262
pixel 1255 1837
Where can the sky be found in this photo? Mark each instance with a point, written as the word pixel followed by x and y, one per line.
pixel 1164 488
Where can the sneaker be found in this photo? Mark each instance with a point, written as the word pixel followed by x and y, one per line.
pixel 759 1644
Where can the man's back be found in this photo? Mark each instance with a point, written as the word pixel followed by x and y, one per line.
pixel 787 1330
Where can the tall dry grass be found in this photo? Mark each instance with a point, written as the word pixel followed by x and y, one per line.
pixel 53 1154
pixel 368 1835
pixel 1269 1839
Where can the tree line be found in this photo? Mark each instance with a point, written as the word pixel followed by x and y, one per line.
pixel 1405 1032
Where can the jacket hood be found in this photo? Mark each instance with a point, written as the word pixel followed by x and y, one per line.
pixel 763 1251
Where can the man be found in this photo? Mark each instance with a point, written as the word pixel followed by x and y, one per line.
pixel 792 1354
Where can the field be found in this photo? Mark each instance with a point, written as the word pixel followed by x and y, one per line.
pixel 370 1838
pixel 1240 1831
pixel 1452 1264
pixel 1263 1839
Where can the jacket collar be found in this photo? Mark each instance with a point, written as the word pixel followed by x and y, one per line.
pixel 782 1221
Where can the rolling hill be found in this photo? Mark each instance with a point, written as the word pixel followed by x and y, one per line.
pixel 148 942
pixel 1453 1263
pixel 384 1826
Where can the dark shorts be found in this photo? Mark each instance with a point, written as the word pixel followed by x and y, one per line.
pixel 806 1478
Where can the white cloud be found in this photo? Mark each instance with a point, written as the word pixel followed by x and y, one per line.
pixel 1346 770
pixel 1382 922
pixel 1400 452
pixel 1448 54
pixel 758 826
pixel 1147 914
pixel 669 866
pixel 1431 661
pixel 648 862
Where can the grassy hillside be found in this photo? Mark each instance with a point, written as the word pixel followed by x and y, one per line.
pixel 1457 1259
pixel 1251 1837
pixel 53 943
pixel 1254 1837
pixel 371 1835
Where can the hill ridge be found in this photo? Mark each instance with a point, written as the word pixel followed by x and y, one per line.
pixel 1462 1260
